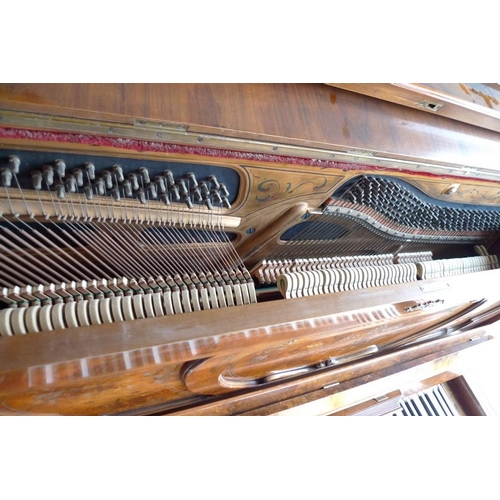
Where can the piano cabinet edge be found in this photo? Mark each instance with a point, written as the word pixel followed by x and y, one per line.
pixel 250 323
pixel 140 394
pixel 334 117
pixel 133 370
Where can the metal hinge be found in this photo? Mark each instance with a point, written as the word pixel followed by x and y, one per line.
pixel 431 106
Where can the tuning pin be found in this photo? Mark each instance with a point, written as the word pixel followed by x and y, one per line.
pixel 183 191
pixel 152 191
pixel 160 183
pixel 216 196
pixel 36 180
pixel 145 175
pixel 14 164
pixel 204 189
pixel 115 192
pixel 60 168
pixel 118 171
pixel 90 169
pixel 87 191
pixel 78 173
pixel 197 194
pixel 127 188
pixel 223 190
pixel 134 181
pixel 174 192
pixel 48 175
pixel 214 181
pixel 108 179
pixel 225 202
pixel 192 180
pixel 70 184
pixel 170 177
pixel 207 202
pixel 6 177
pixel 165 199
pixel 141 196
pixel 187 201
pixel 60 191
pixel 100 186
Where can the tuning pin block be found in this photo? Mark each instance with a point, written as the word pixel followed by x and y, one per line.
pixel 118 182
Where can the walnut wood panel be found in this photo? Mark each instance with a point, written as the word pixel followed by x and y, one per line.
pixel 483 95
pixel 459 191
pixel 378 383
pixel 309 115
pixel 440 355
pixel 131 365
pixel 474 103
pixel 350 335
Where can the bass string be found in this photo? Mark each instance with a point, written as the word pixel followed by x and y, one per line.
pixel 179 241
pixel 32 271
pixel 163 243
pixel 113 242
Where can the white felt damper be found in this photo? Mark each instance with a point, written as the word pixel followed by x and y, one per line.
pixel 5 328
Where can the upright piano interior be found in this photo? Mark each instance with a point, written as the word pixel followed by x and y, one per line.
pixel 151 265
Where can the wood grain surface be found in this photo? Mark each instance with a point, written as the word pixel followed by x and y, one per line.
pixel 301 114
pixel 218 361
pixel 473 103
pixel 131 365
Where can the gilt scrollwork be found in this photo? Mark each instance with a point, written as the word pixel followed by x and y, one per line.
pixel 475 195
pixel 272 189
